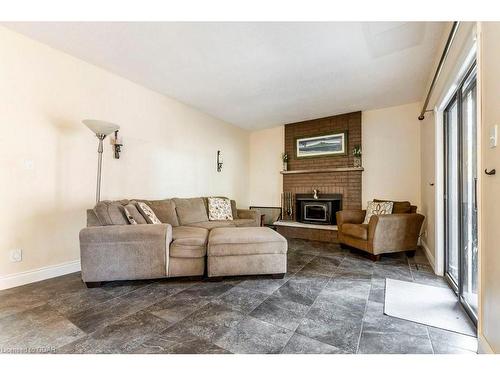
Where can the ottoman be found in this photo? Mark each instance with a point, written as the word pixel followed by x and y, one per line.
pixel 246 251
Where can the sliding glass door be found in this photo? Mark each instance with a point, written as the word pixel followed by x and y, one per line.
pixel 461 193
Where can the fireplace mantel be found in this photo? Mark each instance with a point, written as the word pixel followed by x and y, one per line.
pixel 325 170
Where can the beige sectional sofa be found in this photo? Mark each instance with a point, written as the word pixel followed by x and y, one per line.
pixel 113 249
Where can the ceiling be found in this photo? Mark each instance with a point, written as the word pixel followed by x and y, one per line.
pixel 257 75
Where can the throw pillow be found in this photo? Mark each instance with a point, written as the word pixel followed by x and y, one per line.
pixel 219 209
pixel 129 216
pixel 377 208
pixel 148 213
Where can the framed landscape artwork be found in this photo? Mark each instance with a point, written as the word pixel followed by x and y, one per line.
pixel 323 145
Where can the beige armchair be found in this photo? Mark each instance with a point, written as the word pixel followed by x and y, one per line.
pixel 384 233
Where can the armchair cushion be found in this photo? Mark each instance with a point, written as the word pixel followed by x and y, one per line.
pixel 399 207
pixel 356 230
pixel 377 208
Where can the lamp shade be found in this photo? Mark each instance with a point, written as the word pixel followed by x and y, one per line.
pixel 101 127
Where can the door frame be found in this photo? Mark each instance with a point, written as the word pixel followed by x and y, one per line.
pixel 457 96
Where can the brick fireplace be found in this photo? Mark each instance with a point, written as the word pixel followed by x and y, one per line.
pixel 330 175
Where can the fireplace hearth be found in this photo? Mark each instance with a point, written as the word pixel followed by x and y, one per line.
pixel 320 210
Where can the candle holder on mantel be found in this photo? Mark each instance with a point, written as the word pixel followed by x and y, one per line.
pixel 287 205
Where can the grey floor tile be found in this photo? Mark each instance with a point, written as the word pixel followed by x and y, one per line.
pixel 241 299
pixel 446 342
pixel 393 343
pixel 397 272
pixel 299 344
pixel 333 324
pixel 177 307
pixel 320 265
pixel 117 308
pixel 280 312
pixel 254 336
pixel 209 322
pixel 302 289
pixel 341 288
pixel 264 285
pixel 170 343
pixel 119 337
pixel 45 334
pixel 297 261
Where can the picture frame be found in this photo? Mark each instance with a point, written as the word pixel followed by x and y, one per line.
pixel 331 144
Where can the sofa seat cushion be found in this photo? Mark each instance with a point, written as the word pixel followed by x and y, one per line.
pixel 245 241
pixel 190 210
pixel 245 222
pixel 185 251
pixel 189 236
pixel 213 224
pixel 356 230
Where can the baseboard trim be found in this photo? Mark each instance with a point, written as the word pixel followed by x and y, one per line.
pixel 39 274
pixel 483 346
pixel 428 254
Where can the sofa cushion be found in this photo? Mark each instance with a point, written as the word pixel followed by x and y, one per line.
pixel 213 224
pixel 164 210
pixel 186 251
pixel 111 213
pixel 219 209
pixel 244 235
pixel 189 236
pixel 190 210
pixel 245 241
pixel 245 223
pixel 401 207
pixel 355 230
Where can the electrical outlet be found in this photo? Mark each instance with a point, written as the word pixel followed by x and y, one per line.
pixel 16 255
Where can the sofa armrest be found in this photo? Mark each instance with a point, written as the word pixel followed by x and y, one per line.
pixel 398 232
pixel 350 216
pixel 249 214
pixel 125 252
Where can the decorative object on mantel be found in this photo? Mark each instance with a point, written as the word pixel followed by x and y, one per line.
pixel 101 129
pixel 323 145
pixel 220 161
pixel 315 193
pixel 356 152
pixel 284 158
pixel 324 170
pixel 287 205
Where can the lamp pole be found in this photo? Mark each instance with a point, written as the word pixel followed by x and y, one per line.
pixel 99 166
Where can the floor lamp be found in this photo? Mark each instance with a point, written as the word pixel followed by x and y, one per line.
pixel 101 129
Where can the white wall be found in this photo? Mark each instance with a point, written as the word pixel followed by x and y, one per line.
pixel 432 142
pixel 266 182
pixel 391 154
pixel 48 158
pixel 428 183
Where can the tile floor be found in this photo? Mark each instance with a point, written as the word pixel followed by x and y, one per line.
pixel 331 301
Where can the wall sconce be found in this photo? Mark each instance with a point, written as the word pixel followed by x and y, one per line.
pixel 219 161
pixel 117 143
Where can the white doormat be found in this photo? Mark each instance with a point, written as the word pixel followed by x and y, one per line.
pixel 425 304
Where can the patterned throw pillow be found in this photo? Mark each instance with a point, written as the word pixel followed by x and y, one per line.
pixel 148 213
pixel 219 209
pixel 129 216
pixel 377 208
